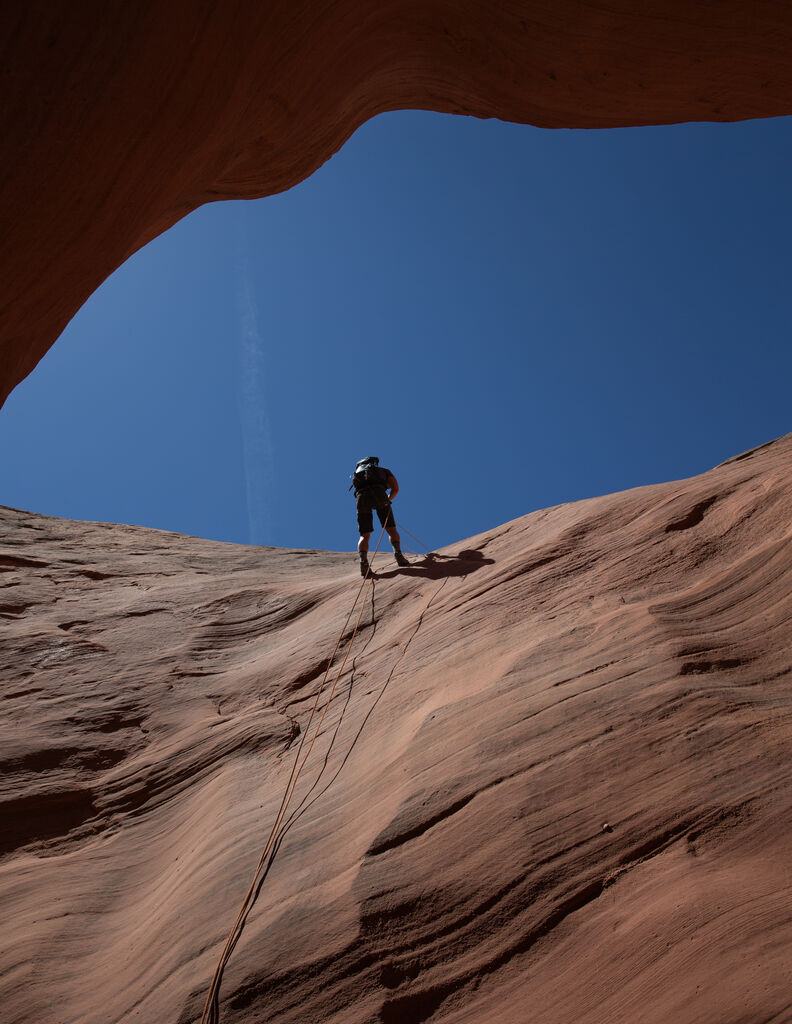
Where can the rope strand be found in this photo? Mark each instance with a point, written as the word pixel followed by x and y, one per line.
pixel 211 1011
pixel 401 526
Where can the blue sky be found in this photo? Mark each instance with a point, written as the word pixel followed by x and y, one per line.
pixel 509 317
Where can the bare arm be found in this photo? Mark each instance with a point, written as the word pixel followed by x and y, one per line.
pixel 393 484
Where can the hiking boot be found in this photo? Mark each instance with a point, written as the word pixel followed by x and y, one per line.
pixel 364 565
pixel 400 559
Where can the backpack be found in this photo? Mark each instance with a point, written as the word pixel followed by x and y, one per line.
pixel 367 471
pixel 370 483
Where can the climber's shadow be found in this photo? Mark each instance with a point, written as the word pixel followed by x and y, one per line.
pixel 437 567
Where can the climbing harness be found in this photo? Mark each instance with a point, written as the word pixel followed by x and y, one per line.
pixel 211 1011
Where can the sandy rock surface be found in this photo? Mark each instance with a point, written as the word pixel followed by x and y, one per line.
pixel 553 784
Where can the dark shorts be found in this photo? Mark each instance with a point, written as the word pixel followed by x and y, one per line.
pixel 366 519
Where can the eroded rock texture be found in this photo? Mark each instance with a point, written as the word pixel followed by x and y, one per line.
pixel 119 118
pixel 554 783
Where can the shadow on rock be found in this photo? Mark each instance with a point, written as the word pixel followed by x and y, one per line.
pixel 438 567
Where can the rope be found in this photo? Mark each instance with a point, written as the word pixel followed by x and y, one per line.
pixel 400 526
pixel 211 1011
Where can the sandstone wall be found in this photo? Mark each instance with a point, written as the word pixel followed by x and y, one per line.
pixel 119 118
pixel 553 783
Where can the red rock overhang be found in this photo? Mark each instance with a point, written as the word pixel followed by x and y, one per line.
pixel 120 118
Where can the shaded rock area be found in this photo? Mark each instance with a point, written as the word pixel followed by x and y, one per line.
pixel 119 118
pixel 554 783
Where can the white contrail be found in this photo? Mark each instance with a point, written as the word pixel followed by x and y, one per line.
pixel 256 435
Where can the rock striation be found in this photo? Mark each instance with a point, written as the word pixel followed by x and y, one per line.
pixel 553 784
pixel 118 119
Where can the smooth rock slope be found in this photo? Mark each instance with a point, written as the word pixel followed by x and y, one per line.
pixel 554 783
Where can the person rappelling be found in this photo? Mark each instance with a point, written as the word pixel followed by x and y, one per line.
pixel 375 489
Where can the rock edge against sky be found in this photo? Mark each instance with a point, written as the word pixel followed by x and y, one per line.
pixel 122 118
pixel 555 774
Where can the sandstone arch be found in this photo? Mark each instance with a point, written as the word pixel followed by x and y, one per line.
pixel 118 119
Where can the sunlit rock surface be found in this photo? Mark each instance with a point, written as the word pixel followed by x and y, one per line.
pixel 119 118
pixel 554 783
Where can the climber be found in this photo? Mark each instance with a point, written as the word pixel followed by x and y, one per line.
pixel 372 483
